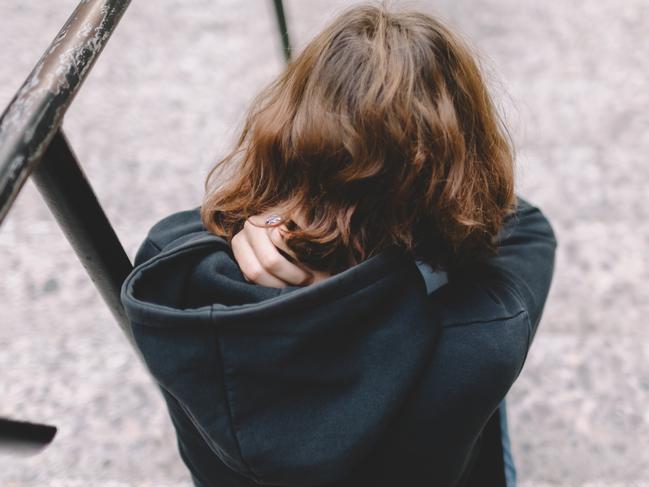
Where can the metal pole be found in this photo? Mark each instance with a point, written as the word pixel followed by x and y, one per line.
pixel 34 115
pixel 73 203
pixel 283 29
pixel 31 143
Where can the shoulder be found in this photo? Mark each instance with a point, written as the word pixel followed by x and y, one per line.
pixel 174 226
pixel 168 230
pixel 486 335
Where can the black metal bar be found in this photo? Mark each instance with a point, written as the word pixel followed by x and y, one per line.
pixel 73 203
pixel 19 437
pixel 34 115
pixel 283 29
pixel 29 132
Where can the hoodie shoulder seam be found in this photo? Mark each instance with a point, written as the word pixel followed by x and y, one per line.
pixel 491 320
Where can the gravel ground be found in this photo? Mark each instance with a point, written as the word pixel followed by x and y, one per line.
pixel 163 103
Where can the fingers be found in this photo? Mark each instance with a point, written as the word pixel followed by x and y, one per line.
pixel 277 237
pixel 264 242
pixel 250 265
pixel 265 259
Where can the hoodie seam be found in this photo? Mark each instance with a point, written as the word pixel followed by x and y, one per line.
pixel 491 320
pixel 529 344
pixel 229 404
pixel 194 422
pixel 153 244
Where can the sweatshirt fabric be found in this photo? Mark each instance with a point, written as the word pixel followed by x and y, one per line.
pixel 385 374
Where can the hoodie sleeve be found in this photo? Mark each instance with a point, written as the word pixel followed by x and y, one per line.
pixel 524 264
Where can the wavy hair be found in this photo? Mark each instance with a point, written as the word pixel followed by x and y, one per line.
pixel 380 132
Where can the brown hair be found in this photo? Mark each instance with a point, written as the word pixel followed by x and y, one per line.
pixel 380 132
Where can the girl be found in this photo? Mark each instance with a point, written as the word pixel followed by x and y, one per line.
pixel 361 285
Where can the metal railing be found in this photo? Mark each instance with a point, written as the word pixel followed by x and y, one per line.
pixel 32 143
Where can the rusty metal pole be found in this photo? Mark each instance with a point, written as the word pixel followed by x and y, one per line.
pixel 31 142
pixel 34 116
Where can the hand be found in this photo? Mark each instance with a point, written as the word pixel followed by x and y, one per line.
pixel 255 249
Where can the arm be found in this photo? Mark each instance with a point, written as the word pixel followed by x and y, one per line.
pixel 524 264
pixel 522 270
pixel 255 248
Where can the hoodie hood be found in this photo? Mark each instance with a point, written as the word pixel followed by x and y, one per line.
pixel 291 386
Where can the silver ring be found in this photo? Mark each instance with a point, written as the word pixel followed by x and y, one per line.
pixel 273 219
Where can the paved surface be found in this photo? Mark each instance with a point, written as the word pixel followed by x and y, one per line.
pixel 162 104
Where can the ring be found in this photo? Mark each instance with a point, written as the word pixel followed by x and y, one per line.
pixel 273 219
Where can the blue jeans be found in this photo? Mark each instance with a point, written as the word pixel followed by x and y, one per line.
pixel 508 460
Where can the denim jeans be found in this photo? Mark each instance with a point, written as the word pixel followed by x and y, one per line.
pixel 508 460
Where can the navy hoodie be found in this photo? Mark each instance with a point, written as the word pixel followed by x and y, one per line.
pixel 384 374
